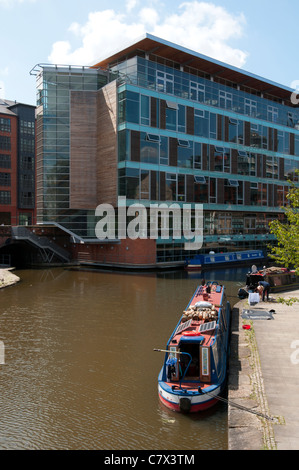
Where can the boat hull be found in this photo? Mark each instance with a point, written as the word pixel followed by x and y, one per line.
pixel 187 403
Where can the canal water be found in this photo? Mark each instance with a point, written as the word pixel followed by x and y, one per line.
pixel 80 371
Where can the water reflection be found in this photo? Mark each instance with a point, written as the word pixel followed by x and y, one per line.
pixel 80 371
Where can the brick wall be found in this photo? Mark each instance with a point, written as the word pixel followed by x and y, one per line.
pixel 128 252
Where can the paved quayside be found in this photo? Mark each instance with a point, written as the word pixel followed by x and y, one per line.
pixel 264 377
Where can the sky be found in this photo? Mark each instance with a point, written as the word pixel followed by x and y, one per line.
pixel 259 36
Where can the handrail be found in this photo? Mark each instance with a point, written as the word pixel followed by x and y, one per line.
pixel 178 352
pixel 21 232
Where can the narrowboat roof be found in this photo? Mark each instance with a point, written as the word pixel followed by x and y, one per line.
pixel 198 323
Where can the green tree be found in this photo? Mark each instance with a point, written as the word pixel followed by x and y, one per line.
pixel 286 253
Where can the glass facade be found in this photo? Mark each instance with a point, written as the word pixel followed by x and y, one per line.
pixel 54 85
pixel 203 141
pixel 182 136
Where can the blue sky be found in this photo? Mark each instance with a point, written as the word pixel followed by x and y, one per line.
pixel 259 36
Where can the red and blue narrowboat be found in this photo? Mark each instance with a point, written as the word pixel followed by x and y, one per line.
pixel 195 364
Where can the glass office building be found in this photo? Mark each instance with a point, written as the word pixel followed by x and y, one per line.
pixel 158 123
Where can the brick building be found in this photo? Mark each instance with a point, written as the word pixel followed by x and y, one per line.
pixel 17 163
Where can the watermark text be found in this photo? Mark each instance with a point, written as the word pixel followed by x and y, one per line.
pixel 164 221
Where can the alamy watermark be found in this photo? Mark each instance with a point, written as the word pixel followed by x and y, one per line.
pixel 165 222
pixel 295 355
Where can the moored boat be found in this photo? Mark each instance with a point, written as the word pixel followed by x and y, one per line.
pixel 195 364
pixel 280 279
pixel 212 260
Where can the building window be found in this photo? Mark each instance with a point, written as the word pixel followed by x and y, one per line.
pixel 121 107
pixel 197 91
pixel 25 219
pixel 236 131
pixel 171 186
pixel 164 82
pixel 246 163
pixel 185 153
pixel 132 107
pixel 212 191
pixel 175 187
pixel 144 110
pixel 233 192
pixel 230 192
pixel 272 114
pixel 171 116
pixel 201 190
pixel 280 141
pixel 5 179
pixel 240 195
pixel 224 225
pixel 225 99
pixel 271 167
pixel 181 118
pixel 27 163
pixel 249 224
pixel 259 136
pixel 27 127
pixel 149 147
pixel 5 143
pixel 145 184
pixel 250 107
pixel 123 145
pixel 263 194
pixel 129 183
pixel 290 166
pixel 222 159
pixel 27 199
pixel 163 157
pixel 5 161
pixel 254 194
pixel 27 145
pixel 197 156
pixel 280 196
pixel 201 123
pixel 213 126
pixel 27 181
pixel 5 125
pixel 181 188
pixel 5 197
pixel 286 143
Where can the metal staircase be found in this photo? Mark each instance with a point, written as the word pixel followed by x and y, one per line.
pixel 47 249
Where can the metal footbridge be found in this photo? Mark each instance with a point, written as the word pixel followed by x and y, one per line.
pixel 46 247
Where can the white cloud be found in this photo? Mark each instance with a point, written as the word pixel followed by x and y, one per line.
pixel 131 4
pixel 148 17
pixel 200 26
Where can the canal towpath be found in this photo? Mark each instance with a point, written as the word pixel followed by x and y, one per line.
pixel 263 411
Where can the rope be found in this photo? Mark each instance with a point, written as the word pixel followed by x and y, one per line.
pixel 241 407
